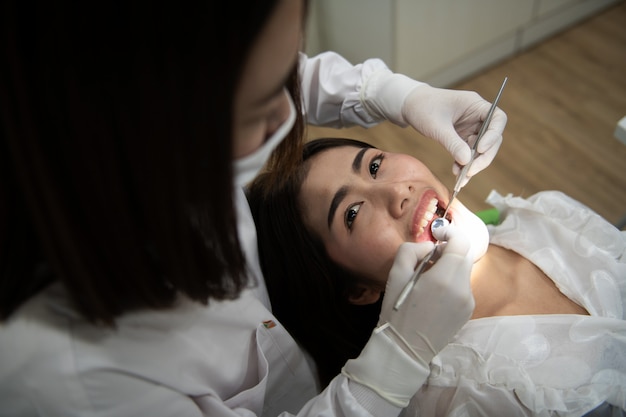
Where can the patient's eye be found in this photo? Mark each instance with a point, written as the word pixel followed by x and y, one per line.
pixel 375 165
pixel 350 215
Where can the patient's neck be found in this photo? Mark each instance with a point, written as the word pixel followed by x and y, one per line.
pixel 505 283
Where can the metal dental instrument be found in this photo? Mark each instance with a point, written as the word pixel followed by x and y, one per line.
pixel 457 187
pixel 481 132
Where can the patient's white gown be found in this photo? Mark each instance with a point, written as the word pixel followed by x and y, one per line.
pixel 542 365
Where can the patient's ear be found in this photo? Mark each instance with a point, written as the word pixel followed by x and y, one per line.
pixel 361 295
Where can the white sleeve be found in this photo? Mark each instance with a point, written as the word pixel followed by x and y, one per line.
pixel 379 382
pixel 338 94
pixel 346 398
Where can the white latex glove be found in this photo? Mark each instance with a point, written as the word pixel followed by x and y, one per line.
pixel 451 117
pixel 441 301
pixel 439 305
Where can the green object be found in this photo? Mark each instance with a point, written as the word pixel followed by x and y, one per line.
pixel 489 216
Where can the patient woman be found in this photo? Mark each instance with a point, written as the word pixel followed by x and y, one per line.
pixel 548 334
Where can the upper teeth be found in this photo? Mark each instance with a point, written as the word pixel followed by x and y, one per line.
pixel 428 216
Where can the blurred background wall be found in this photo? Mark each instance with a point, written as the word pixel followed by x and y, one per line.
pixel 439 41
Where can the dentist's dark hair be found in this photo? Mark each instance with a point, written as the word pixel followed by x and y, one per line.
pixel 308 291
pixel 115 151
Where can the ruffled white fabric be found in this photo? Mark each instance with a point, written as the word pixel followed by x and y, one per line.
pixel 542 365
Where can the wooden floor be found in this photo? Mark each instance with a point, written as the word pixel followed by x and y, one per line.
pixel 563 100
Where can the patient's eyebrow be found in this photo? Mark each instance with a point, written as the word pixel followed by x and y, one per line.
pixel 343 191
pixel 356 164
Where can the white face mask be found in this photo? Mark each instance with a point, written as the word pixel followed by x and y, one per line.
pixel 246 168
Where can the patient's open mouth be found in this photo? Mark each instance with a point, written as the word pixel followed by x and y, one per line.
pixel 440 210
pixel 432 210
pixel 439 221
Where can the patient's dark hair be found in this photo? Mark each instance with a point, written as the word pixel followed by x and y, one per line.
pixel 308 291
pixel 115 151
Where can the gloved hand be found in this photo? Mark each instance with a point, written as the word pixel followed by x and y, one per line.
pixel 441 301
pixel 453 118
pixel 438 306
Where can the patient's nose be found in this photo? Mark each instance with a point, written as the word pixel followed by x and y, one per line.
pixel 395 197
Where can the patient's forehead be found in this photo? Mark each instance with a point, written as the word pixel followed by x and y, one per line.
pixel 332 159
pixel 326 171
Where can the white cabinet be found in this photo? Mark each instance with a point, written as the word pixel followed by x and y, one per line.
pixel 439 41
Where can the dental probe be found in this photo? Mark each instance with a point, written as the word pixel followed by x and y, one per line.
pixel 442 221
pixel 481 132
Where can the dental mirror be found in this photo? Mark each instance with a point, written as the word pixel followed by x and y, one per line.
pixel 437 223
